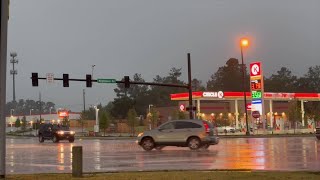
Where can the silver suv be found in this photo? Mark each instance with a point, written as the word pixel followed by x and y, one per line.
pixel 194 134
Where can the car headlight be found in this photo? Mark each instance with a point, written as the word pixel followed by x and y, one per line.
pixel 72 132
pixel 60 132
pixel 140 134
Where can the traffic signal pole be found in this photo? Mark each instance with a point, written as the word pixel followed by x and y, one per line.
pixel 3 69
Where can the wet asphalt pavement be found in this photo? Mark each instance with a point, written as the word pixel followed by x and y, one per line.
pixel 27 156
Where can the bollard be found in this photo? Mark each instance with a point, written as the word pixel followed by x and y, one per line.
pixel 77 161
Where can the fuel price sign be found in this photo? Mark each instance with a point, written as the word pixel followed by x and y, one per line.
pixel 256 84
pixel 256 94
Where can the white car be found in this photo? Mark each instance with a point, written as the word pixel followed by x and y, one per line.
pixel 226 129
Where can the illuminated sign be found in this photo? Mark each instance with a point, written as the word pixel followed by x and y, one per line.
pixel 255 69
pixel 256 84
pixel 256 101
pixel 63 113
pixel 249 107
pixel 256 94
pixel 182 107
pixel 218 94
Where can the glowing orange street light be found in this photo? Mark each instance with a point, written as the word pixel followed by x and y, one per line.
pixel 244 42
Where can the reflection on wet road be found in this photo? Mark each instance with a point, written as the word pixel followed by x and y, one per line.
pixel 287 153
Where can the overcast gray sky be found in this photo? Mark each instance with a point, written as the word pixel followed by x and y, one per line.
pixel 123 37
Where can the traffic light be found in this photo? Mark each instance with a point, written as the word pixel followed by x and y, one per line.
pixel 89 80
pixel 34 78
pixel 65 80
pixel 126 81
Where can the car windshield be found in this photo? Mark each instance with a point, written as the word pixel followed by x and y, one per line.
pixel 60 127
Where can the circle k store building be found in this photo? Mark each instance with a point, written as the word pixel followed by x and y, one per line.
pixel 210 105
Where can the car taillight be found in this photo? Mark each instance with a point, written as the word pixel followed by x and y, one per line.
pixel 206 127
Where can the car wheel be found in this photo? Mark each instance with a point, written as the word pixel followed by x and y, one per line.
pixel 147 144
pixel 205 146
pixel 225 131
pixel 194 143
pixel 41 139
pixel 55 139
pixel 159 148
pixel 71 140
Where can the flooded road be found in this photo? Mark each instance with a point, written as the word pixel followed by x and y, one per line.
pixel 26 155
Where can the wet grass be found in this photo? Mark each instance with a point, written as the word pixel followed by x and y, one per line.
pixel 176 175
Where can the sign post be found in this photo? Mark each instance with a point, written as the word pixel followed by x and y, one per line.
pixel 257 90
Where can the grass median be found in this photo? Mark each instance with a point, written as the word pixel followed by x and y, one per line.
pixel 176 175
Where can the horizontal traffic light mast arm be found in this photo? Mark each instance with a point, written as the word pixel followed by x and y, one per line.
pixel 61 79
pixel 131 82
pixel 157 84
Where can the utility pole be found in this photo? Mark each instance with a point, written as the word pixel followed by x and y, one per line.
pixel 190 87
pixel 84 109
pixel 13 72
pixel 4 14
pixel 40 108
pixel 84 100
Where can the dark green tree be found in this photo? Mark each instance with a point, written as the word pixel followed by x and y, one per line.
pixel 132 120
pixel 104 121
pixel 197 85
pixel 24 106
pixel 23 123
pixel 161 95
pixel 121 107
pixel 283 81
pixel 18 123
pixel 294 112
pixel 229 77
pixel 312 109
pixel 310 82
pixel 153 117
pixel 176 114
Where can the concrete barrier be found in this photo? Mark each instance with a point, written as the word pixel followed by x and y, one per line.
pixel 77 161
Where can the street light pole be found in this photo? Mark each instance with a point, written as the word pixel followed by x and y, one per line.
pixel 50 109
pixel 92 66
pixel 11 118
pixel 97 119
pixel 11 112
pixel 150 105
pixel 31 111
pixel 244 42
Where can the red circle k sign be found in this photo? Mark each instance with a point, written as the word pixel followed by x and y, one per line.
pixel 255 69
pixel 182 107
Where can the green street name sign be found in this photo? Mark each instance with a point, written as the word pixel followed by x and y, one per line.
pixel 106 81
